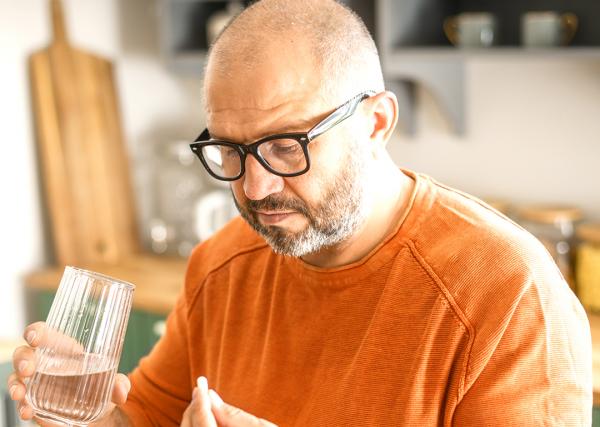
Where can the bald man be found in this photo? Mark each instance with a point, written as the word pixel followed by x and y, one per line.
pixel 349 292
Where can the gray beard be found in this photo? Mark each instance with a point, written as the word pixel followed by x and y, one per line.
pixel 342 210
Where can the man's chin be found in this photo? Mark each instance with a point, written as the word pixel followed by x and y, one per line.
pixel 281 238
pixel 283 242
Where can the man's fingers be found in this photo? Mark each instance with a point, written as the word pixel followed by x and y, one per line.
pixel 203 415
pixel 230 416
pixel 25 411
pixel 198 413
pixel 16 388
pixel 38 334
pixel 207 408
pixel 33 333
pixel 121 389
pixel 186 421
pixel 24 361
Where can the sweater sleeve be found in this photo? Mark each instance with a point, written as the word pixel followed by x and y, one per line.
pixel 540 371
pixel 160 386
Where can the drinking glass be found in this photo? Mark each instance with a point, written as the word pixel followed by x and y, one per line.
pixel 80 349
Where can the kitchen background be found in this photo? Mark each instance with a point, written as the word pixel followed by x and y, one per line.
pixel 512 125
pixel 531 128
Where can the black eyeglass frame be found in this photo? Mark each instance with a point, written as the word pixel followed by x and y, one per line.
pixel 340 114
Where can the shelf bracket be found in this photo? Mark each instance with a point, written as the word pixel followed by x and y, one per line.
pixel 443 76
pixel 405 92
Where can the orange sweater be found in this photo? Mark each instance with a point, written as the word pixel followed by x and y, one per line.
pixel 459 318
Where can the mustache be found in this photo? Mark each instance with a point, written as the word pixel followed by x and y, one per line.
pixel 274 203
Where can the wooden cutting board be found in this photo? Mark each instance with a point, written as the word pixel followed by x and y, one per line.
pixel 84 165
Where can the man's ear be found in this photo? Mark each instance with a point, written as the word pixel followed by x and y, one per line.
pixel 383 117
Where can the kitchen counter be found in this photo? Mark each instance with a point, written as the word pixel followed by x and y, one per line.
pixel 159 280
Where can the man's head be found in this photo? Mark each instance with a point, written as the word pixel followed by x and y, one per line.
pixel 322 35
pixel 282 66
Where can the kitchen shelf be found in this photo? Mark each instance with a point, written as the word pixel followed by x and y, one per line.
pixel 190 62
pixel 182 29
pixel 413 48
pixel 509 52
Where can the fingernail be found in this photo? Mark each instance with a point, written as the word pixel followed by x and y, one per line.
pixel 203 384
pixel 124 389
pixel 11 390
pixel 30 337
pixel 22 365
pixel 216 399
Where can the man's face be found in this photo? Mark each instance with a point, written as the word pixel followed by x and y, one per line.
pixel 298 215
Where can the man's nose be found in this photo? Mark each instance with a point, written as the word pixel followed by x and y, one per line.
pixel 259 182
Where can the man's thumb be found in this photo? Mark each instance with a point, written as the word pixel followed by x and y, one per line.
pixel 230 416
pixel 121 388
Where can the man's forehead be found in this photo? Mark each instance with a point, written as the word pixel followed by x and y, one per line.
pixel 247 123
pixel 260 90
pixel 252 99
pixel 278 90
pixel 285 58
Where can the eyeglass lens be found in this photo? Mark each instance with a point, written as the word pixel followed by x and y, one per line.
pixel 283 155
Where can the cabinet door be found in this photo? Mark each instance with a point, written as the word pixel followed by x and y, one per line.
pixel 143 331
pixel 42 303
pixel 8 409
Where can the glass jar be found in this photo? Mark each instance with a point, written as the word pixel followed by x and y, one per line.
pixel 588 266
pixel 178 183
pixel 554 226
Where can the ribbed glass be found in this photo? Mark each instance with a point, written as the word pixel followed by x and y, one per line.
pixel 80 349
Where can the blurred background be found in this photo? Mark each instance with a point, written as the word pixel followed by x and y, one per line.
pixel 499 99
pixel 511 123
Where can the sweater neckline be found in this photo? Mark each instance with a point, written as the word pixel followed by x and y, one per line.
pixel 387 249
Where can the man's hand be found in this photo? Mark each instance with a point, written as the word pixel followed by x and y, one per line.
pixel 24 363
pixel 207 409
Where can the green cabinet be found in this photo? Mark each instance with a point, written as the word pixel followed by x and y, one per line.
pixel 8 409
pixel 143 330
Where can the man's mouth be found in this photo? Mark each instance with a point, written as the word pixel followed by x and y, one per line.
pixel 273 217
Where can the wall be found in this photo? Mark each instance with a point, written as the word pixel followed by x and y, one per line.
pixel 533 127
pixel 20 219
pixel 533 133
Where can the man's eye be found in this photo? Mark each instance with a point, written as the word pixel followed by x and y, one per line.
pixel 228 152
pixel 286 148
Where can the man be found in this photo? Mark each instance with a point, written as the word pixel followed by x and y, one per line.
pixel 351 293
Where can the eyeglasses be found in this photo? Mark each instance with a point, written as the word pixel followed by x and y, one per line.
pixel 283 154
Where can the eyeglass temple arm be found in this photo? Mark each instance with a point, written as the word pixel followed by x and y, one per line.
pixel 340 114
pixel 204 136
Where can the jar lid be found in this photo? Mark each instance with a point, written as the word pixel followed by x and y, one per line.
pixel 589 232
pixel 550 214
